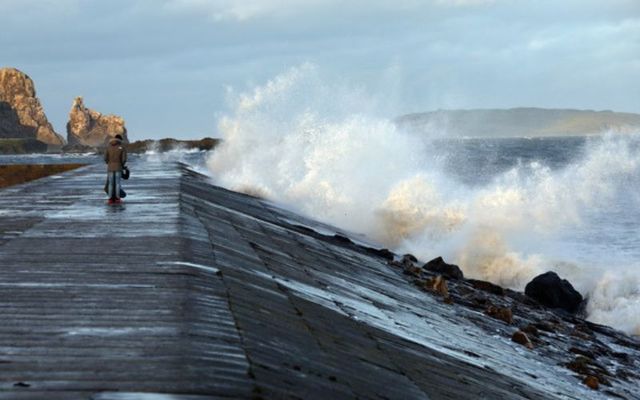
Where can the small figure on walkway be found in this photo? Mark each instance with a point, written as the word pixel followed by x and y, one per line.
pixel 115 155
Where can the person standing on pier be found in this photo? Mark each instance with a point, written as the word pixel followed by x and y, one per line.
pixel 115 155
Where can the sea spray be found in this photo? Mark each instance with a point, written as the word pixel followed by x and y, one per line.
pixel 321 149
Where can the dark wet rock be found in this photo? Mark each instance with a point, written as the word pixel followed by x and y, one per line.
pixel 521 298
pixel 440 286
pixel 439 266
pixel 436 285
pixel 587 366
pixel 480 300
pixel 552 291
pixel 581 331
pixel 410 269
pixel 487 287
pixel 531 330
pixel 545 326
pixel 592 327
pixel 501 313
pixel 591 382
pixel 338 238
pixel 580 335
pixel 584 328
pixel 472 300
pixel 522 338
pixel 582 352
pixel 465 290
pixel 409 258
pixel 90 128
pixel 408 265
pixel 21 113
pixel 384 253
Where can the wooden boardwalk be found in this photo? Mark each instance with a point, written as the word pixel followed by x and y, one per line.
pixel 190 291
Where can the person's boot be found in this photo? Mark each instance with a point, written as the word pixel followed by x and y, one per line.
pixel 111 201
pixel 118 201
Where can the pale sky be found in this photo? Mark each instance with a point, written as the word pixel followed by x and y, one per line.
pixel 164 65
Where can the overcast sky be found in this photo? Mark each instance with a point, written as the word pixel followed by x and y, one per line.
pixel 164 64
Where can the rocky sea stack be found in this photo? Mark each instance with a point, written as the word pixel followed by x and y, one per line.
pixel 87 127
pixel 21 114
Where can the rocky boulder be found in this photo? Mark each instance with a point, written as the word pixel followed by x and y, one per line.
pixel 522 338
pixel 487 287
pixel 552 291
pixel 21 114
pixel 87 127
pixel 438 266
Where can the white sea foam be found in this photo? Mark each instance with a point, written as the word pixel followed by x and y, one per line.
pixel 321 150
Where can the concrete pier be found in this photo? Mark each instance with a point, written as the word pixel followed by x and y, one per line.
pixel 190 291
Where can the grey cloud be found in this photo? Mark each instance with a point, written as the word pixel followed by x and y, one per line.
pixel 164 64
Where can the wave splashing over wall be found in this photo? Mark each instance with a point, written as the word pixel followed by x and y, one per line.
pixel 322 150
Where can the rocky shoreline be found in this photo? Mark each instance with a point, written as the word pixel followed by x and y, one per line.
pixel 598 355
pixel 591 351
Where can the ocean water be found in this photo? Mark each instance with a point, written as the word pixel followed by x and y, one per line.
pixel 606 228
pixel 505 210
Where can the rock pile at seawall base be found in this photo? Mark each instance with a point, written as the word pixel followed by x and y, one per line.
pixel 21 114
pixel 87 127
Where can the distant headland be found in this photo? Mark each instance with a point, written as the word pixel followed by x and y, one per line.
pixel 520 122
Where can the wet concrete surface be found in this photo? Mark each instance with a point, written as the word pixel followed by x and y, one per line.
pixel 197 292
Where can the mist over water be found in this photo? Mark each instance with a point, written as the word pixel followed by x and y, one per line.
pixel 504 210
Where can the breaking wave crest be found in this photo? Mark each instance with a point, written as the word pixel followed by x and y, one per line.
pixel 321 150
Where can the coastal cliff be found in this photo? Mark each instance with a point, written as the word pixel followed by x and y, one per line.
pixel 21 113
pixel 87 127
